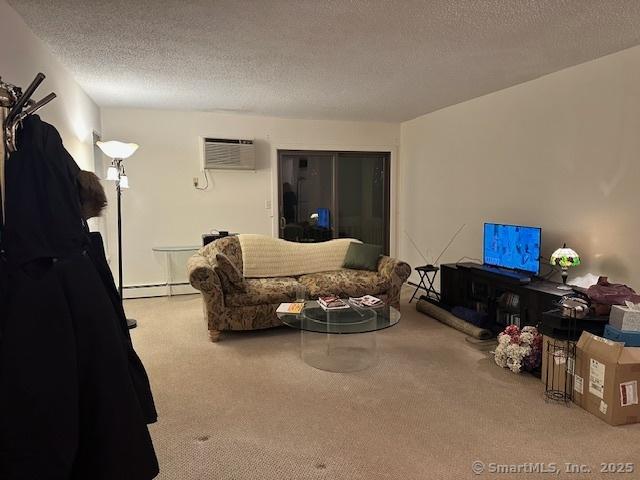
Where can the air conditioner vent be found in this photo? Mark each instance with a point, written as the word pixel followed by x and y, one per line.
pixel 228 154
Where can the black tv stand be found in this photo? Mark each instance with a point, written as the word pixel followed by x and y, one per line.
pixel 514 276
pixel 461 285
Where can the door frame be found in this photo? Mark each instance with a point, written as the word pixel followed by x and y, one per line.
pixel 392 150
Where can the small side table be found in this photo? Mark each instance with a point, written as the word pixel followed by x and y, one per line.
pixel 427 276
pixel 168 252
pixel 561 335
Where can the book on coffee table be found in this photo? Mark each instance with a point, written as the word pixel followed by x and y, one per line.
pixel 367 301
pixel 332 302
pixel 290 307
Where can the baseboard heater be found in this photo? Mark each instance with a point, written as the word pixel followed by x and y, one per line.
pixel 151 285
pixel 157 290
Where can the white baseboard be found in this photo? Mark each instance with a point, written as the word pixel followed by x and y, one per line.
pixel 144 291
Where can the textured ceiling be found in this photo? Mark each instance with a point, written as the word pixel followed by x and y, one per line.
pixel 339 59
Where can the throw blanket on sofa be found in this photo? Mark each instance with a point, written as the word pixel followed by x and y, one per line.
pixel 264 256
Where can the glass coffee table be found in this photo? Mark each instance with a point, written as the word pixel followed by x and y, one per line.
pixel 340 340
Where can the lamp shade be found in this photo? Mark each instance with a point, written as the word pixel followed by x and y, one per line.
pixel 565 257
pixel 124 181
pixel 112 173
pixel 115 149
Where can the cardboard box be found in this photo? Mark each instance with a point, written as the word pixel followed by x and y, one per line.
pixel 555 375
pixel 623 318
pixel 606 379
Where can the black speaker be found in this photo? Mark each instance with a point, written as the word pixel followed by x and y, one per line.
pixel 207 238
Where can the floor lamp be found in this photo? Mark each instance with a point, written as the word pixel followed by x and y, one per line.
pixel 118 152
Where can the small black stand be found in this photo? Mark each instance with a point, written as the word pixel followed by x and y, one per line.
pixel 558 376
pixel 560 355
pixel 428 273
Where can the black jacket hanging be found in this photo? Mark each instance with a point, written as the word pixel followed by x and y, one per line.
pixel 136 369
pixel 74 399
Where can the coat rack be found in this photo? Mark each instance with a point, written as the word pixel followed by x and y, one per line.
pixel 19 105
pixel 15 106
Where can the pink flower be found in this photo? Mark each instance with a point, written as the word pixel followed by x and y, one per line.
pixel 512 330
pixel 519 348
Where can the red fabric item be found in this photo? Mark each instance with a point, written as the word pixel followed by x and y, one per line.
pixel 607 293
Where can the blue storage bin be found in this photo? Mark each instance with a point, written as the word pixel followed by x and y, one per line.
pixel 630 338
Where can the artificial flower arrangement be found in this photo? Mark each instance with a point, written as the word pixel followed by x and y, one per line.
pixel 518 349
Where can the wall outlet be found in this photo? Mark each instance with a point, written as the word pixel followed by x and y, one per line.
pixel 267 204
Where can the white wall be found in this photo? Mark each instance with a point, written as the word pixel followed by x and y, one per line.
pixel 162 207
pixel 74 114
pixel 561 152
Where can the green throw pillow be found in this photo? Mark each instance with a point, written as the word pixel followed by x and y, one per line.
pixel 362 256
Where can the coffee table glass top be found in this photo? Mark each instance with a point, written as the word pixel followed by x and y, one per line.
pixel 314 318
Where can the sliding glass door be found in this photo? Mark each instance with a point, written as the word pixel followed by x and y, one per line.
pixel 325 195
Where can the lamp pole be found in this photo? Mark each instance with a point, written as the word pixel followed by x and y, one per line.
pixel 131 322
pixel 117 162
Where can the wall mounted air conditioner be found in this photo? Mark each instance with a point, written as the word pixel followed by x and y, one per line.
pixel 228 154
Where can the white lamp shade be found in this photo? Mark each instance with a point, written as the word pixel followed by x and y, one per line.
pixel 565 257
pixel 115 149
pixel 112 173
pixel 124 181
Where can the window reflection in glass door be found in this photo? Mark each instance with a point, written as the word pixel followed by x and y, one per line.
pixel 362 197
pixel 306 190
pixel 325 195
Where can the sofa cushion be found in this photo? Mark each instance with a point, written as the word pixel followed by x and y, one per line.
pixel 363 256
pixel 345 282
pixel 259 291
pixel 230 277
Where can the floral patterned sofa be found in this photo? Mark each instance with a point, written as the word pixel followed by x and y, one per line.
pixel 255 307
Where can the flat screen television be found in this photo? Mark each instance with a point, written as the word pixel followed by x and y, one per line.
pixel 516 247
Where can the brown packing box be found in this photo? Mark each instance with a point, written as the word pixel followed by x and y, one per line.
pixel 606 379
pixel 555 376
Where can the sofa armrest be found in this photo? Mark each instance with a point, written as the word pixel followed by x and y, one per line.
pixel 201 274
pixel 203 277
pixel 398 272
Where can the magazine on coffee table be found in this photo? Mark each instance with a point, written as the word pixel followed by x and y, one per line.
pixel 367 301
pixel 332 302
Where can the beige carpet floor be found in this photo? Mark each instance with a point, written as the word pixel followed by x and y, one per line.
pixel 249 408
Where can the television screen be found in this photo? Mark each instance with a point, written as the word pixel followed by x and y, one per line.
pixel 512 246
pixel 324 219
